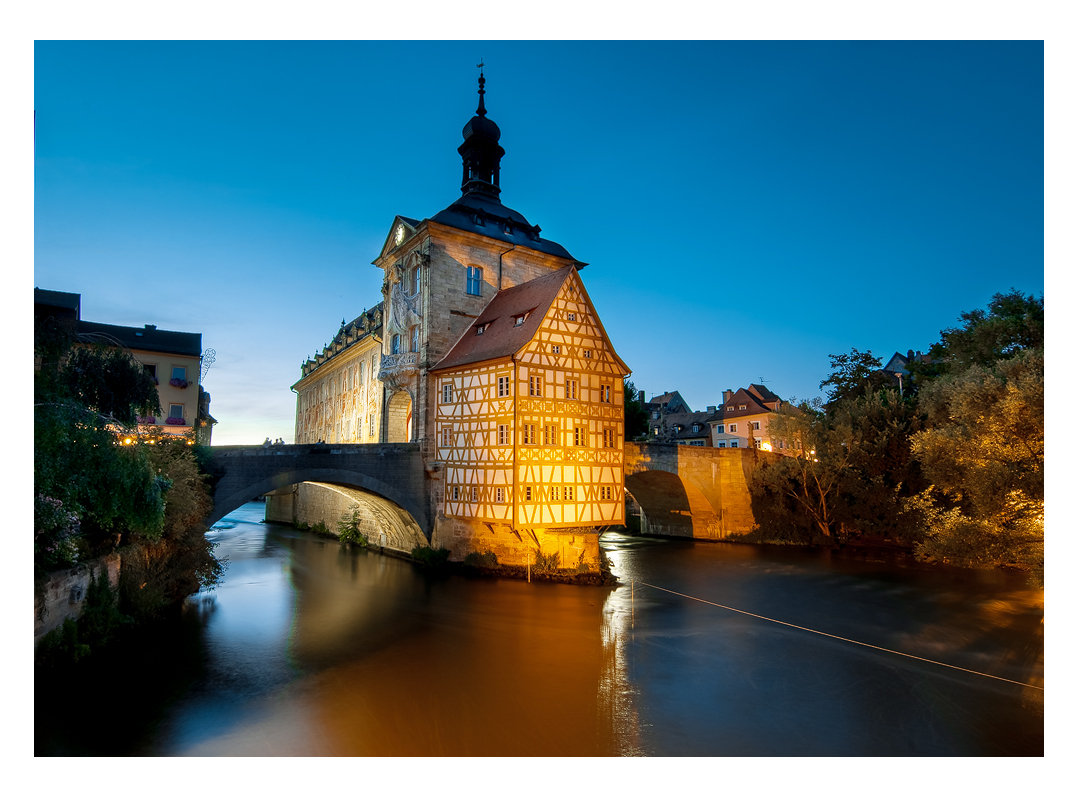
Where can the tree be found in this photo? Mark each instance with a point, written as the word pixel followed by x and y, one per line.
pixel 854 374
pixel 1013 322
pixel 636 419
pixel 807 483
pixel 983 451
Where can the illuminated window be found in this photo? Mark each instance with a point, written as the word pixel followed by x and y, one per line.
pixel 604 394
pixel 568 493
pixel 503 434
pixel 535 385
pixel 555 493
pixel 475 281
pixel 499 495
pixel 529 434
pixel 580 436
pixel 447 392
pixel 527 493
pixel 570 389
pixel 608 438
pixel 550 435
pixel 606 493
pixel 503 386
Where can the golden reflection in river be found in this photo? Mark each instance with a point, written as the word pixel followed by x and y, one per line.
pixel 617 707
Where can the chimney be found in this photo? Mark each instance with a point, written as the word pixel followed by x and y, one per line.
pixel 726 394
pixel 151 326
pixel 711 410
pixel 909 354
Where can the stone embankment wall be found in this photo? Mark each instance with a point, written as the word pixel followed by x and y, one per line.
pixel 65 593
pixel 382 522
pixel 511 547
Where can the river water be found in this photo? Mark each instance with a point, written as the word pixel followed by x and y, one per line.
pixel 310 648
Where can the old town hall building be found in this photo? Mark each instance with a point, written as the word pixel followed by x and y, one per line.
pixel 486 351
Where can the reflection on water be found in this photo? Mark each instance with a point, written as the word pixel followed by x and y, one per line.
pixel 308 648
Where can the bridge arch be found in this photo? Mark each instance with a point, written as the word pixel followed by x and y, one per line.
pixel 399 417
pixel 672 506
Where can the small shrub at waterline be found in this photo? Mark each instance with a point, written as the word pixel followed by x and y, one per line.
pixel 348 529
pixel 429 557
pixel 485 559
pixel 545 563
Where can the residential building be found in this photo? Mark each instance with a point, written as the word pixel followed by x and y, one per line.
pixel 173 359
pixel 742 420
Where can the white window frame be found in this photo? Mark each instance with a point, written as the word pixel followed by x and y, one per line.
pixel 474 280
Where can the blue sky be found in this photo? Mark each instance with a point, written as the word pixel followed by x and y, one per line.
pixel 746 208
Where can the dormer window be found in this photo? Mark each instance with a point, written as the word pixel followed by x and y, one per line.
pixel 479 330
pixel 696 427
pixel 742 407
pixel 518 320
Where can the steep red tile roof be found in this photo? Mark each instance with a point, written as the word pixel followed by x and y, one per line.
pixel 502 338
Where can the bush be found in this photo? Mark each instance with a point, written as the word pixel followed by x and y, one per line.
pixel 430 557
pixel 485 559
pixel 545 563
pixel 348 529
pixel 56 532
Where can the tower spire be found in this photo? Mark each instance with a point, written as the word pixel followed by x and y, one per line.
pixel 482 109
pixel 480 152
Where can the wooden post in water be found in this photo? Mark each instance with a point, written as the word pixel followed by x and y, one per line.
pixel 529 566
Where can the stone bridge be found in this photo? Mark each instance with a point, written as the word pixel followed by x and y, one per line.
pixel 386 480
pixel 690 491
pixel 683 491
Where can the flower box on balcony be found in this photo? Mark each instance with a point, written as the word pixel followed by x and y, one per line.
pixel 174 421
pixel 146 419
pixel 180 383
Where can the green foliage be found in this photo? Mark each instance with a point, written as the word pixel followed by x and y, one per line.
pixel 60 646
pixel 636 419
pixel 111 487
pixel 430 557
pixel 186 497
pixel 100 622
pixel 111 382
pixel 983 451
pixel 852 375
pixel 803 490
pixel 56 533
pixel 348 529
pixel 487 559
pixel 546 563
pixel 582 565
pixel 1013 322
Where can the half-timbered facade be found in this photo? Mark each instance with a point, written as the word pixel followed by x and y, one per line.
pixel 530 413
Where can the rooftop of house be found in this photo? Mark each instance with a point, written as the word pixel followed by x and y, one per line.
pixel 147 338
pixel 496 333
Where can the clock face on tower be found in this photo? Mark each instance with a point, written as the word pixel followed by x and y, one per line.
pixel 399 236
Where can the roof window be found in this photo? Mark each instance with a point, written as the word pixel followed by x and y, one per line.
pixel 518 320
